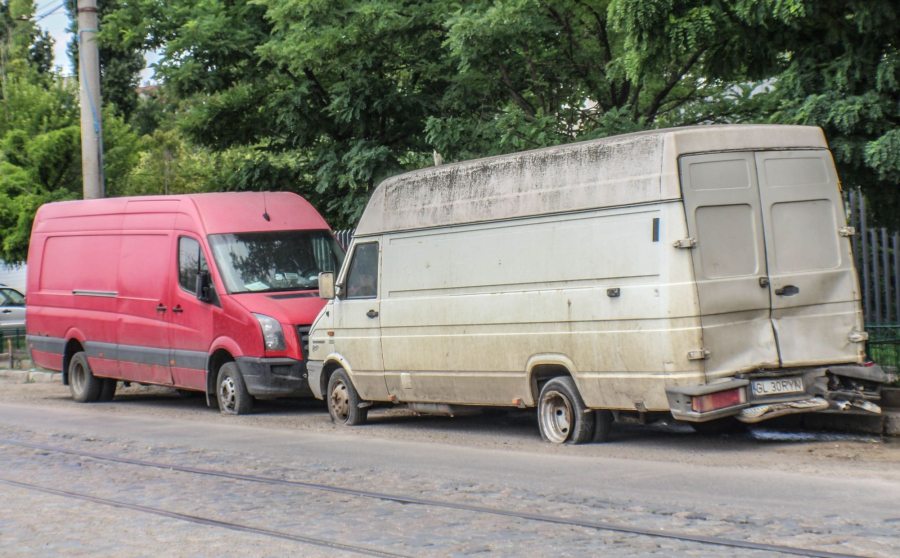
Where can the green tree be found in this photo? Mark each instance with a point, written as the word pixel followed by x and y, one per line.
pixel 333 96
pixel 839 68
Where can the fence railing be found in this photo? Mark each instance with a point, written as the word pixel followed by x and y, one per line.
pixel 344 236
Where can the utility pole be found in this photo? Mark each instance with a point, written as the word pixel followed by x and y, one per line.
pixel 89 80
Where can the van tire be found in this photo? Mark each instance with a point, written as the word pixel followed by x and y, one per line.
pixel 83 385
pixel 231 392
pixel 108 389
pixel 718 427
pixel 343 400
pixel 603 420
pixel 562 416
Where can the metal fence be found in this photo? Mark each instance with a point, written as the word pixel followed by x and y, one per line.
pixel 877 254
pixel 344 236
pixel 16 337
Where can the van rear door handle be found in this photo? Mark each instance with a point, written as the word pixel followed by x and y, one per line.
pixel 372 314
pixel 160 308
pixel 788 290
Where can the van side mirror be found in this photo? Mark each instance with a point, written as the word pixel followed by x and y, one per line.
pixel 203 285
pixel 326 285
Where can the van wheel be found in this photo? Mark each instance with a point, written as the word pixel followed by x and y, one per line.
pixel 84 386
pixel 561 413
pixel 232 392
pixel 343 400
pixel 108 390
pixel 602 426
pixel 727 425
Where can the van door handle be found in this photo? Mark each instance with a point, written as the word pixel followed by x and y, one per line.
pixel 160 308
pixel 372 314
pixel 788 290
pixel 178 309
pixel 764 282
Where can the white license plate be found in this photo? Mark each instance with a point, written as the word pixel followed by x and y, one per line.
pixel 777 386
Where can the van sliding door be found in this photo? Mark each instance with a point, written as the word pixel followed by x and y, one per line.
pixel 813 283
pixel 722 206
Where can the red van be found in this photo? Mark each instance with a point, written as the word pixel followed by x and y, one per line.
pixel 209 292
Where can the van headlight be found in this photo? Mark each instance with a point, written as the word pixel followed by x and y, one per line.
pixel 273 335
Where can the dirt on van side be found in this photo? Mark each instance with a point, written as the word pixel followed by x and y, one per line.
pixel 824 453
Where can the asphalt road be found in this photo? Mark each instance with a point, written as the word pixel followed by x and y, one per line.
pixel 819 491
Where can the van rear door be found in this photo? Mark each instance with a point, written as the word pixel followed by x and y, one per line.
pixel 775 279
pixel 815 291
pixel 722 205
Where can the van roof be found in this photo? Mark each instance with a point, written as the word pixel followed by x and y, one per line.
pixel 226 212
pixel 619 170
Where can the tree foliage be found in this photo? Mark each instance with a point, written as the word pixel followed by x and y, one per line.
pixel 331 97
pixel 40 134
pixel 839 68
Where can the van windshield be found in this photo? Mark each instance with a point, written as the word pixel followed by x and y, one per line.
pixel 275 260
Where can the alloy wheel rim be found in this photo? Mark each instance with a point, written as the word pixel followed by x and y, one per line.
pixel 340 401
pixel 557 417
pixel 227 393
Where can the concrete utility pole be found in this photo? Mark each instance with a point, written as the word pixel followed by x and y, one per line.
pixel 89 80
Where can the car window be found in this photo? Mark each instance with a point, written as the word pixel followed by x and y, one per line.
pixel 11 297
pixel 362 279
pixel 190 261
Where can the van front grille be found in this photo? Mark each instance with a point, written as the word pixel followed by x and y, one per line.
pixel 303 334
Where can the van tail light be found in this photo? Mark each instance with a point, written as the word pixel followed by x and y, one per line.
pixel 719 400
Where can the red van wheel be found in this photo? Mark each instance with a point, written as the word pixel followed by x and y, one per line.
pixel 84 386
pixel 232 392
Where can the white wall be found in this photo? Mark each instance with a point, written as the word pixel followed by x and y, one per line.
pixel 14 276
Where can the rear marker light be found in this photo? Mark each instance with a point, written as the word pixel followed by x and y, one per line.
pixel 719 400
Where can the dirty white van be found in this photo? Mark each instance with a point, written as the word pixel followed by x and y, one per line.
pixel 704 272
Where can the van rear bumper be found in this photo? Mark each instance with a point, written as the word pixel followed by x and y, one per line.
pixel 840 387
pixel 274 377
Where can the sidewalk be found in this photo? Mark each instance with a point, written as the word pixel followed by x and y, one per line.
pixel 29 376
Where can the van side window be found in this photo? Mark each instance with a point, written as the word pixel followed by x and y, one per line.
pixel 190 261
pixel 362 279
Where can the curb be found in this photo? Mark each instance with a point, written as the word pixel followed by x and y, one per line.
pixel 30 377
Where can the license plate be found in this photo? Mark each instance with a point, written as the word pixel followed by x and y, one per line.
pixel 777 386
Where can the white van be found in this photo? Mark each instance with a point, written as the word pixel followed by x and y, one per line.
pixel 704 272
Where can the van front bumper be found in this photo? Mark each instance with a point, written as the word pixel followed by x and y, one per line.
pixel 274 377
pixel 841 387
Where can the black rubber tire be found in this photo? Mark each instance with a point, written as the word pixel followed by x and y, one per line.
pixel 343 400
pixel 108 389
pixel 231 392
pixel 603 420
pixel 718 427
pixel 83 385
pixel 562 414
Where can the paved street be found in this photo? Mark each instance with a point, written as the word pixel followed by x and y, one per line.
pixel 831 493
